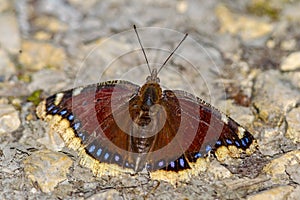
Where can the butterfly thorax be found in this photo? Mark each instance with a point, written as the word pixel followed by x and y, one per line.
pixel 150 94
pixel 146 113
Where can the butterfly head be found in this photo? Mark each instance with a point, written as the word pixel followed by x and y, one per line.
pixel 153 78
pixel 151 91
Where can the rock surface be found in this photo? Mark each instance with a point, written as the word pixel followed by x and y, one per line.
pixel 9 118
pixel 47 168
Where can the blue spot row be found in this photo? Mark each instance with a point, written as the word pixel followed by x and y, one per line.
pixel 244 142
pixel 103 155
pixel 64 112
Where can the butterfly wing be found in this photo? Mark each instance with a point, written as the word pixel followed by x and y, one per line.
pixel 196 128
pixel 85 118
pixel 95 120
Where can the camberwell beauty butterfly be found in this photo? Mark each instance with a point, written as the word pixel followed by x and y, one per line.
pixel 118 126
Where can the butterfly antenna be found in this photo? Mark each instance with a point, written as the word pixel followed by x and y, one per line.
pixel 168 58
pixel 142 47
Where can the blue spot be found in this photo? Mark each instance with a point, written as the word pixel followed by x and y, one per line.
pixel 70 117
pixel 161 163
pixel 218 142
pixel 181 162
pixel 172 164
pixel 92 148
pixel 81 135
pixel 99 151
pixel 208 148
pixel 106 156
pixel 50 108
pixel 148 166
pixel 228 141
pixel 127 164
pixel 244 142
pixel 76 126
pixel 63 112
pixel 198 155
pixel 54 111
pixel 117 158
pixel 237 143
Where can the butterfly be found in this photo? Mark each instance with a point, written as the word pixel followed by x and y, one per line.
pixel 117 126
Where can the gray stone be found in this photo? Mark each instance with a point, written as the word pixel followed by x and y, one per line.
pixel 273 98
pixel 7 68
pixel 9 117
pixel 291 62
pixel 293 123
pixel 107 195
pixel 9 36
pixel 48 80
pixel 47 168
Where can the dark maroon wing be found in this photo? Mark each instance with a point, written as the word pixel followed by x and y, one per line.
pixel 91 111
pixel 195 128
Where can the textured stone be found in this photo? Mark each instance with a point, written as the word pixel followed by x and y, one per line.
pixel 294 172
pixel 273 194
pixel 272 97
pixel 292 62
pixel 107 195
pixel 218 171
pixel 47 168
pixel 295 194
pixel 293 121
pixel 9 117
pixel 278 166
pixel 37 55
